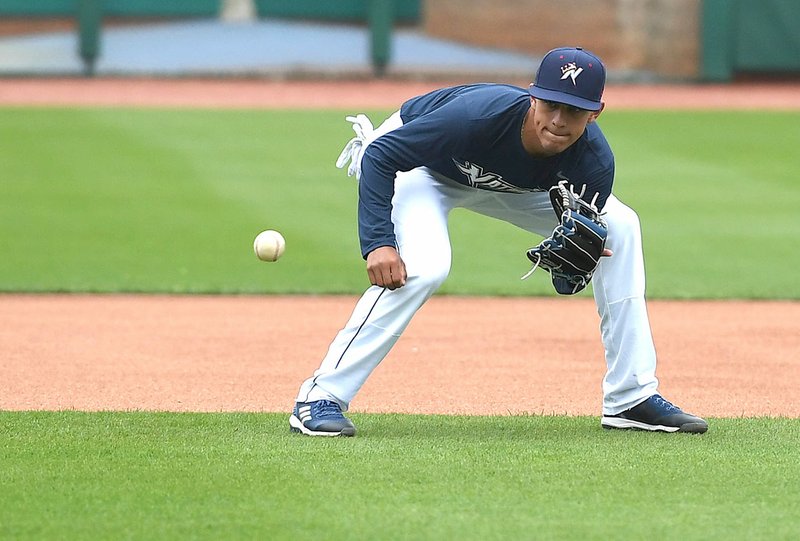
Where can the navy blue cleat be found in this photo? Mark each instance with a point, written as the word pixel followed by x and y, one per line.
pixel 656 415
pixel 320 418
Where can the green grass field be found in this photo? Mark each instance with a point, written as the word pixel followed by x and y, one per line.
pixel 170 201
pixel 109 200
pixel 72 475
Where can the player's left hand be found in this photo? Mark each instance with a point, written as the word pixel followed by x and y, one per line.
pixel 386 268
pixel 573 252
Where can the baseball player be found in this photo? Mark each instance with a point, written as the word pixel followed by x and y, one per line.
pixel 497 150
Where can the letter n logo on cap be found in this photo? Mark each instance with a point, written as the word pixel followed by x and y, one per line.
pixel 572 71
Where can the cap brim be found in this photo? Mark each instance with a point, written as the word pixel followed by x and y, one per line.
pixel 562 97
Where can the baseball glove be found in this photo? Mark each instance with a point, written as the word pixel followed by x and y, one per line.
pixel 571 254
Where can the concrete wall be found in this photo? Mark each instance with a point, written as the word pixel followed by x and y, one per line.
pixel 660 37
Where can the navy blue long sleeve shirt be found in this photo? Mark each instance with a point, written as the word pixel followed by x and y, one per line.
pixel 471 135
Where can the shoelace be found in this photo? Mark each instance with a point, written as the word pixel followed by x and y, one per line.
pixel 326 408
pixel 666 404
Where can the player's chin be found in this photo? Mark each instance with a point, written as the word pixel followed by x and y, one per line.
pixel 555 144
pixel 555 148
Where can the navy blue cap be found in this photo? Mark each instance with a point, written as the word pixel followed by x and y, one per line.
pixel 570 75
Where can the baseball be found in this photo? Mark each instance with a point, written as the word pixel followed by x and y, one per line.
pixel 269 245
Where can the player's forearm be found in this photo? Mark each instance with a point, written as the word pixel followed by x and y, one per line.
pixel 375 192
pixel 375 227
pixel 399 150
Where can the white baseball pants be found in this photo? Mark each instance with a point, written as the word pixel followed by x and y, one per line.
pixel 421 206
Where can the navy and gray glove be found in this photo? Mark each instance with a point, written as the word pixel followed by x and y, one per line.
pixel 571 254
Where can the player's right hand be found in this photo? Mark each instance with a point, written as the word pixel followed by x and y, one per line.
pixel 385 268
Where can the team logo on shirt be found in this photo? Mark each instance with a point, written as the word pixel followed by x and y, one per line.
pixel 486 180
pixel 572 71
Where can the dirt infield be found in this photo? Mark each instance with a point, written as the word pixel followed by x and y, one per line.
pixel 210 353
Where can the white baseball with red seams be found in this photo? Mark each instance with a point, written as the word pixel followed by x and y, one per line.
pixel 269 245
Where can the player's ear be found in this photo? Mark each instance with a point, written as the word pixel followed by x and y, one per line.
pixel 596 114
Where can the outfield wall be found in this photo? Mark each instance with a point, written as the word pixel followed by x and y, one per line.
pixel 673 39
pixel 684 40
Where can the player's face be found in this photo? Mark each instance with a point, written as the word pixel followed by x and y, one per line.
pixel 557 125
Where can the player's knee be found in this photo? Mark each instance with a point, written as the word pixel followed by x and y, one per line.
pixel 622 221
pixel 430 276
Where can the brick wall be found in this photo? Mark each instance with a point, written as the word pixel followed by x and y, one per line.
pixel 660 37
